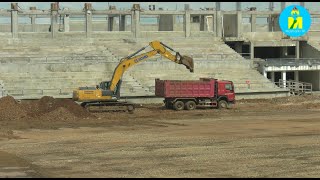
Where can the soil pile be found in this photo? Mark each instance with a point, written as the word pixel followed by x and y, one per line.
pixel 49 104
pixel 10 109
pixel 46 112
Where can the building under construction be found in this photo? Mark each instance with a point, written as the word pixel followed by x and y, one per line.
pixel 81 47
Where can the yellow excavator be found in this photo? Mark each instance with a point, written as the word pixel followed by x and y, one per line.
pixel 106 95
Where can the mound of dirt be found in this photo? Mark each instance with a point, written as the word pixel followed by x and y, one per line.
pixel 10 109
pixel 45 112
pixel 49 104
pixel 60 114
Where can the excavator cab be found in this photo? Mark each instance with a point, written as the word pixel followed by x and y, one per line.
pixel 104 86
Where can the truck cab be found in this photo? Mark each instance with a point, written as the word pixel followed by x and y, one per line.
pixel 226 90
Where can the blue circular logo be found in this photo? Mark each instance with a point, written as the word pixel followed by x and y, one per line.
pixel 295 21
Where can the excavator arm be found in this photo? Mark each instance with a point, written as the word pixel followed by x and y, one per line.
pixel 158 48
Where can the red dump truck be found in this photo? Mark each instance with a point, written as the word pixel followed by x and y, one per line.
pixel 188 94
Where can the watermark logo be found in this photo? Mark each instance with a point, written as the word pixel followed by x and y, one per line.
pixel 295 21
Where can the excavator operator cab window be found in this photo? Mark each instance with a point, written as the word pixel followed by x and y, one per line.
pixel 105 85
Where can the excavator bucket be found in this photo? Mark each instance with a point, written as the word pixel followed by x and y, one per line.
pixel 188 62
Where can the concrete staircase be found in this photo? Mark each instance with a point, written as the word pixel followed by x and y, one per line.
pixel 55 67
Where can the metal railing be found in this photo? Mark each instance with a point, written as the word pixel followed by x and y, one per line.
pixel 295 87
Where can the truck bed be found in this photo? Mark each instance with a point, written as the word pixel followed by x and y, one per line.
pixel 184 88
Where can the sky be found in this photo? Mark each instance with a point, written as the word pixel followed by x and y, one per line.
pixel 261 6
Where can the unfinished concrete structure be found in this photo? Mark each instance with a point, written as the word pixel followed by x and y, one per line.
pixel 55 58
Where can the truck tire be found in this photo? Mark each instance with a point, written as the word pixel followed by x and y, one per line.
pixel 190 105
pixel 223 104
pixel 130 109
pixel 178 105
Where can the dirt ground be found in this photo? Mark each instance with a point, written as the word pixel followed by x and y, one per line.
pixel 256 138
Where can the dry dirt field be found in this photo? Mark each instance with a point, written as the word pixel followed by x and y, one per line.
pixel 257 138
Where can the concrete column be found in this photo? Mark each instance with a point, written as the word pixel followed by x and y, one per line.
pixel 54 19
pixel 88 8
pixel 296 76
pixel 265 73
pixel 135 20
pixel 283 5
pixel 251 50
pixel 298 50
pixel 33 19
pixel 284 77
pixel 238 6
pixel 271 6
pixel 239 24
pixel 218 6
pixel 66 22
pixel 218 24
pixel 110 22
pixel 270 22
pixel 302 4
pixel 253 22
pixel 272 76
pixel 33 23
pixel 214 19
pixel 202 22
pixel 284 52
pixel 14 20
pixel 187 24
pixel 122 23
pixel 186 7
pixel 88 23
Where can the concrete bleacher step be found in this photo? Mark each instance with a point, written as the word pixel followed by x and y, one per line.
pixel 139 81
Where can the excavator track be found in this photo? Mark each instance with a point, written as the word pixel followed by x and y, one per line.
pixel 109 106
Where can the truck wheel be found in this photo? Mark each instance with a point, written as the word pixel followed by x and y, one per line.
pixel 223 104
pixel 178 105
pixel 130 109
pixel 190 105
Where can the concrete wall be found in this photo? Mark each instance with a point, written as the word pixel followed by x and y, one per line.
pixel 259 28
pixel 308 51
pixel 311 77
pixel 263 36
